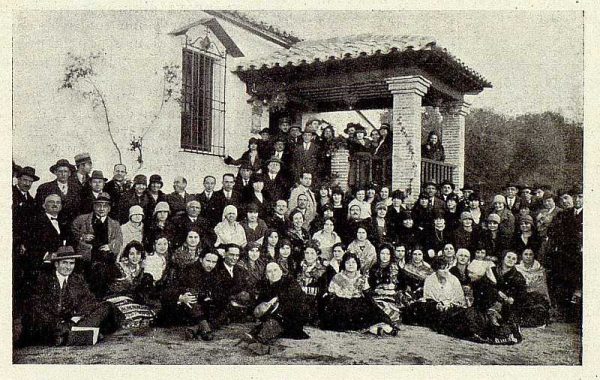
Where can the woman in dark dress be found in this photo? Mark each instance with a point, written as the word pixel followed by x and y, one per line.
pixel 254 263
pixel 347 306
pixel 297 234
pixel 526 236
pixel 383 280
pixel 250 156
pixel 535 310
pixel 284 258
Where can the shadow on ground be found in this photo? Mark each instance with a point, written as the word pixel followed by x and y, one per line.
pixel 557 344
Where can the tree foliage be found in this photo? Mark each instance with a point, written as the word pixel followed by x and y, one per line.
pixel 532 148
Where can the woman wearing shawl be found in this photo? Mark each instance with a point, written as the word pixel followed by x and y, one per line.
pixel 229 231
pixel 535 309
pixel 412 276
pixel 362 247
pixel 383 279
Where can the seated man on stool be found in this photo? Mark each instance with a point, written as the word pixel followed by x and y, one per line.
pixel 61 299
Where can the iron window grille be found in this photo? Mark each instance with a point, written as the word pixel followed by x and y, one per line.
pixel 203 101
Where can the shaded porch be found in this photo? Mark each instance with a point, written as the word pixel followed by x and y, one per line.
pixel 400 73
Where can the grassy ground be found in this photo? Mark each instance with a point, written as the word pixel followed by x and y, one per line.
pixel 559 343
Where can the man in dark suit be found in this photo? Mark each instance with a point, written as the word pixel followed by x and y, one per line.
pixel 80 179
pixel 243 182
pixel 232 298
pixel 306 155
pixel 116 187
pixel 278 220
pixel 513 202
pixel 23 204
pixel 446 189
pixel 192 219
pixel 275 183
pixel 61 300
pixel 179 198
pixel 210 202
pixel 190 298
pixel 70 196
pixel 90 193
pixel 99 241
pixel 227 195
pixel 435 203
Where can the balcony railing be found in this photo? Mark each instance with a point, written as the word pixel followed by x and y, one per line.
pixel 436 170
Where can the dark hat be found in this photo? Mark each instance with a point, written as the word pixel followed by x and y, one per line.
pixel 140 179
pixel 274 159
pixel 447 182
pixel 253 140
pixel 60 163
pixel 359 128
pixel 310 129
pixel 97 174
pixel 524 186
pixel 429 182
pixel 246 165
pixel 16 168
pixel 103 197
pixel 257 177
pixel 576 190
pixel 398 194
pixel 512 184
pixel 82 157
pixel 327 206
pixel 423 196
pixel 475 196
pixel 405 215
pixel 285 119
pixel 155 178
pixel 385 126
pixel 467 186
pixel 64 253
pixel 295 126
pixel 280 138
pixel 29 172
pixel 265 130
pixel 348 126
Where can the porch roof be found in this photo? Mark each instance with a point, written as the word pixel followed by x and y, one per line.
pixel 376 52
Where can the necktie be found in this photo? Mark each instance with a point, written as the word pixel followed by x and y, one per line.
pixel 305 146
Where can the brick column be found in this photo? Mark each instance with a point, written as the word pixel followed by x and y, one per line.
pixel 408 92
pixel 453 137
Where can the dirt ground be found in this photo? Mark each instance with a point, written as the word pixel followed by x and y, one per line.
pixel 557 344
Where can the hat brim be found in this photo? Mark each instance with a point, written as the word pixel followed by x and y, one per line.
pixel 32 176
pixel 67 257
pixel 104 179
pixel 53 168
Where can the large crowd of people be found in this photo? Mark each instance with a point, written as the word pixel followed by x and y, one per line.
pixel 281 244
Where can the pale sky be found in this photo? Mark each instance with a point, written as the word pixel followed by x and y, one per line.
pixel 534 59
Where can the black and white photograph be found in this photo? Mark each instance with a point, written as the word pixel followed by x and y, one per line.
pixel 297 187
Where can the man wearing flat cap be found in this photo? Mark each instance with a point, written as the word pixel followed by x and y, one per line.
pixel 513 202
pixel 90 193
pixel 98 240
pixel 137 196
pixel 70 196
pixel 81 178
pixel 62 300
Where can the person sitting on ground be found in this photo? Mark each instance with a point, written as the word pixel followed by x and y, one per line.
pixel 132 291
pixel 190 299
pixel 281 310
pixel 62 300
pixel 535 310
pixel 155 262
pixel 311 269
pixel 254 264
pixel 412 277
pixel 383 280
pixel 347 306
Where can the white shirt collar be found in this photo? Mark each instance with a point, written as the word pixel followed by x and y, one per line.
pixel 229 269
pixel 61 279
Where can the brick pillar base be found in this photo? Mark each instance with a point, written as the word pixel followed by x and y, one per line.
pixel 406 131
pixel 453 137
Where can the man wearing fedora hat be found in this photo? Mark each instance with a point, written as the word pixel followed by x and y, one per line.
pixel 276 184
pixel 90 193
pixel 70 196
pixel 305 155
pixel 98 240
pixel 61 300
pixel 80 179
pixel 23 204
